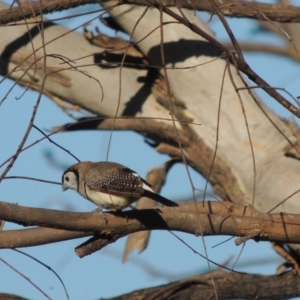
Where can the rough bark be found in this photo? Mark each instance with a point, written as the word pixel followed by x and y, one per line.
pixel 207 218
pixel 229 286
pixel 230 8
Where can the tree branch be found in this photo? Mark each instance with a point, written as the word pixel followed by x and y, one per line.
pixel 38 236
pixel 230 8
pixel 217 218
pixel 229 286
pixel 146 126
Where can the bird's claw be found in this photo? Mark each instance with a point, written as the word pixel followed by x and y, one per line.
pixel 102 214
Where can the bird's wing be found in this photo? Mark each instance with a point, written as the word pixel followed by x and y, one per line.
pixel 123 182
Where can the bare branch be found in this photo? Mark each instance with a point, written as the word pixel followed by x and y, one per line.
pixel 31 9
pixel 230 286
pixel 146 126
pixel 230 8
pixel 217 218
pixel 38 236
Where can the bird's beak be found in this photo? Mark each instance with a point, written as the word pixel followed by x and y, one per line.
pixel 64 187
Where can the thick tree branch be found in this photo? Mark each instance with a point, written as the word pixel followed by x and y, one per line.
pixel 148 127
pixel 230 8
pixel 229 286
pixel 217 218
pixel 38 236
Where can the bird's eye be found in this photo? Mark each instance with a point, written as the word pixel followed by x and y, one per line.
pixel 67 178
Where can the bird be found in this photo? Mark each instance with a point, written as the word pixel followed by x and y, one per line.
pixel 109 185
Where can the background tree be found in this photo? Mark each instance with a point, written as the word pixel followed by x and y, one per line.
pixel 194 100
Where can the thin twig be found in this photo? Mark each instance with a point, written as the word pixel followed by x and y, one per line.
pixel 51 141
pixel 25 277
pixel 46 266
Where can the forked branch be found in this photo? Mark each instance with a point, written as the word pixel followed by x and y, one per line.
pixel 217 218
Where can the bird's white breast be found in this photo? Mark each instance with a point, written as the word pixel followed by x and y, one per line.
pixel 108 201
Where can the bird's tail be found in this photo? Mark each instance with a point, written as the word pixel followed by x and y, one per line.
pixel 159 198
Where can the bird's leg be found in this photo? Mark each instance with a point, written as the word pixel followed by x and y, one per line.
pixel 101 212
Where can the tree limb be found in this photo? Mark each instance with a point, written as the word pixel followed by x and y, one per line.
pixel 229 286
pixel 230 8
pixel 217 218
pixel 148 127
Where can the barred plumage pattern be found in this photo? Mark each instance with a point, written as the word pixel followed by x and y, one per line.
pixel 117 181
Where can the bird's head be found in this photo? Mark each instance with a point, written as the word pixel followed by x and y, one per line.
pixel 72 176
pixel 70 179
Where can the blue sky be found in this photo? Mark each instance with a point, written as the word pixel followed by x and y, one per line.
pixel 103 274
